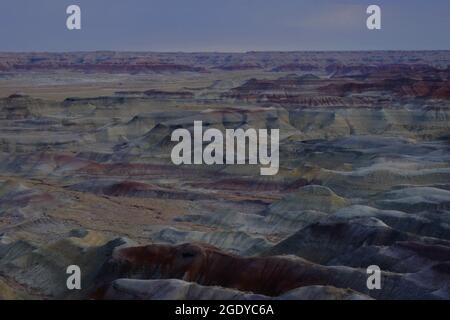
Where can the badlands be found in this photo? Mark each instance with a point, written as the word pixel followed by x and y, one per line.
pixel 86 176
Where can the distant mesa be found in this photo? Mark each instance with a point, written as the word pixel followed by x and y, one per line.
pixel 296 67
pixel 234 67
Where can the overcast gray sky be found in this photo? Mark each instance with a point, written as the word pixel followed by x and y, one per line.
pixel 223 25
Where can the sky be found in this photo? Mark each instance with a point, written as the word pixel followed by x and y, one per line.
pixel 223 25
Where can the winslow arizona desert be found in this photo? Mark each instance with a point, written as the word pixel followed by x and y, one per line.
pixel 87 179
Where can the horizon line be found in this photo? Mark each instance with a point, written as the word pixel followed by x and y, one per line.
pixel 223 52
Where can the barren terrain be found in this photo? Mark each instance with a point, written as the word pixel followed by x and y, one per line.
pixel 86 176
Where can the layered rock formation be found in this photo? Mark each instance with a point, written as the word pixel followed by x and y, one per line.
pixel 86 176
